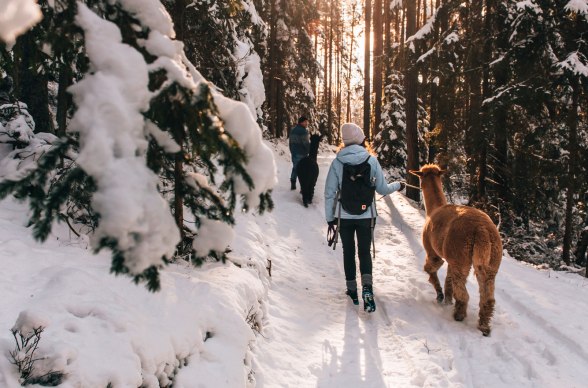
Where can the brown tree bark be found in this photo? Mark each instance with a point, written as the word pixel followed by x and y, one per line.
pixel 63 98
pixel 31 85
pixel 366 71
pixel 572 122
pixel 273 70
pixel 180 27
pixel 410 86
pixel 378 65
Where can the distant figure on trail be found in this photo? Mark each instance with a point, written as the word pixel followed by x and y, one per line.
pixel 354 177
pixel 299 146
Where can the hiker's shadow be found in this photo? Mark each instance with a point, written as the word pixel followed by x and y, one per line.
pixel 360 364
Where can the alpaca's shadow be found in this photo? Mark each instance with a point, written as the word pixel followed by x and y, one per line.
pixel 360 363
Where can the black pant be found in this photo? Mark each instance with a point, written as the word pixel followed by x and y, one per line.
pixel 348 230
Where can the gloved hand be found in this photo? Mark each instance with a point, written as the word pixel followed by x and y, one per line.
pixel 332 223
pixel 402 186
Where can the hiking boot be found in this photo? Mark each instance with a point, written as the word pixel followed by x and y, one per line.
pixel 353 296
pixel 369 305
pixel 292 185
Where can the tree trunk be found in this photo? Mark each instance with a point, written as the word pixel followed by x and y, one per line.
pixel 352 37
pixel 180 27
pixel 63 98
pixel 378 65
pixel 366 71
pixel 475 142
pixel 410 86
pixel 572 169
pixel 329 80
pixel 501 165
pixel 32 86
pixel 272 74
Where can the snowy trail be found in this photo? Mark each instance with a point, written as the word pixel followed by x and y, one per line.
pixel 317 338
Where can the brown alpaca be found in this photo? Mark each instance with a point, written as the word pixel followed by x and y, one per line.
pixel 462 236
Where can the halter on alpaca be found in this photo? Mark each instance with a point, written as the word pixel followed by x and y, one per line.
pixel 308 171
pixel 463 236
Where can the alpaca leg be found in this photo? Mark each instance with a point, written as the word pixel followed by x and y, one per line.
pixel 304 191
pixel 458 279
pixel 486 284
pixel 432 265
pixel 449 286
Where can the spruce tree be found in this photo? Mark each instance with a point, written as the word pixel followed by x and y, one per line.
pixel 157 107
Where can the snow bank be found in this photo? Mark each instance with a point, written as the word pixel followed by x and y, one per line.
pixel 199 330
pixel 17 16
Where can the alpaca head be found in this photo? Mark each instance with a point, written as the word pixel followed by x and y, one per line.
pixel 429 175
pixel 428 172
pixel 314 144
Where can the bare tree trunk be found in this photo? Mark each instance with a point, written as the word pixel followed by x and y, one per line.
pixel 63 98
pixel 272 87
pixel 350 63
pixel 410 85
pixel 329 80
pixel 475 142
pixel 378 64
pixel 31 86
pixel 367 66
pixel 180 27
pixel 572 169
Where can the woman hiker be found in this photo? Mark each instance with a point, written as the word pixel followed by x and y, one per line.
pixel 353 177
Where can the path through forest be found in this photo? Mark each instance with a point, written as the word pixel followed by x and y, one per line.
pixel 317 338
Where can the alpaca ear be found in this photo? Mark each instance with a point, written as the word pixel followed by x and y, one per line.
pixel 441 172
pixel 417 173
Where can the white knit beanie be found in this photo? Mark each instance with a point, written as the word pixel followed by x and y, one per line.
pixel 352 134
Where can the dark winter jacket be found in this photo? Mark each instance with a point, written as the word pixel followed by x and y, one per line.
pixel 299 141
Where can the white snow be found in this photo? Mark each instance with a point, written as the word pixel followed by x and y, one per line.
pixel 528 4
pixel 575 63
pixel 579 6
pixel 16 17
pixel 113 146
pixel 101 329
pixel 212 236
pixel 319 339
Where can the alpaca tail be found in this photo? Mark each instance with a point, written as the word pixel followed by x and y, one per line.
pixel 481 251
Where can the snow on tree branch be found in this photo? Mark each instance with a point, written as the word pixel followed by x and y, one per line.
pixel 109 120
pixel 578 6
pixel 575 63
pixel 17 16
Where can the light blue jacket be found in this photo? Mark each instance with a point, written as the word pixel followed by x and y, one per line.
pixel 353 154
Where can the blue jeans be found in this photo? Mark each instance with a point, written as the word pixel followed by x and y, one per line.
pixel 295 160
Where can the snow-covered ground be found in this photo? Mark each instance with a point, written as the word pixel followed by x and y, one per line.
pixel 103 329
pixel 320 339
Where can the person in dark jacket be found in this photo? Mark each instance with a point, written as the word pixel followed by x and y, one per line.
pixel 299 146
pixel 354 152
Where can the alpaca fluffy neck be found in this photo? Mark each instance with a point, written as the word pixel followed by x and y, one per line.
pixel 434 197
pixel 313 152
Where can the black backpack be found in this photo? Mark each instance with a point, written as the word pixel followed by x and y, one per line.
pixel 357 188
